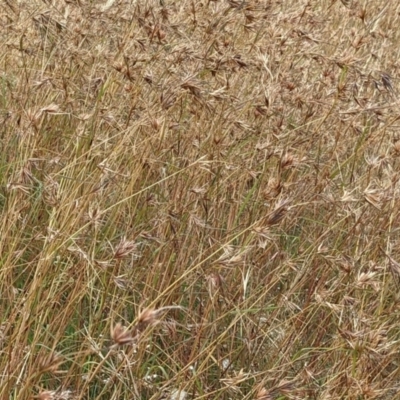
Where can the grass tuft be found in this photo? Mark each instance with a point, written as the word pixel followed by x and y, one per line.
pixel 199 199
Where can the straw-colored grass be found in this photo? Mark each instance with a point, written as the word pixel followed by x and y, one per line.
pixel 199 199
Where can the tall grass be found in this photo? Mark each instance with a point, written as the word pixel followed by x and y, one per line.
pixel 199 199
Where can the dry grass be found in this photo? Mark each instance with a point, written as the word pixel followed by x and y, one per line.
pixel 199 199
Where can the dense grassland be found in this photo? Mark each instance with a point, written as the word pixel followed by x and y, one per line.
pixel 199 199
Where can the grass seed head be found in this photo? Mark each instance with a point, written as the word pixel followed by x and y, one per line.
pixel 278 213
pixel 55 395
pixel 148 317
pixel 121 335
pixel 49 363
pixel 263 394
pixel 124 248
